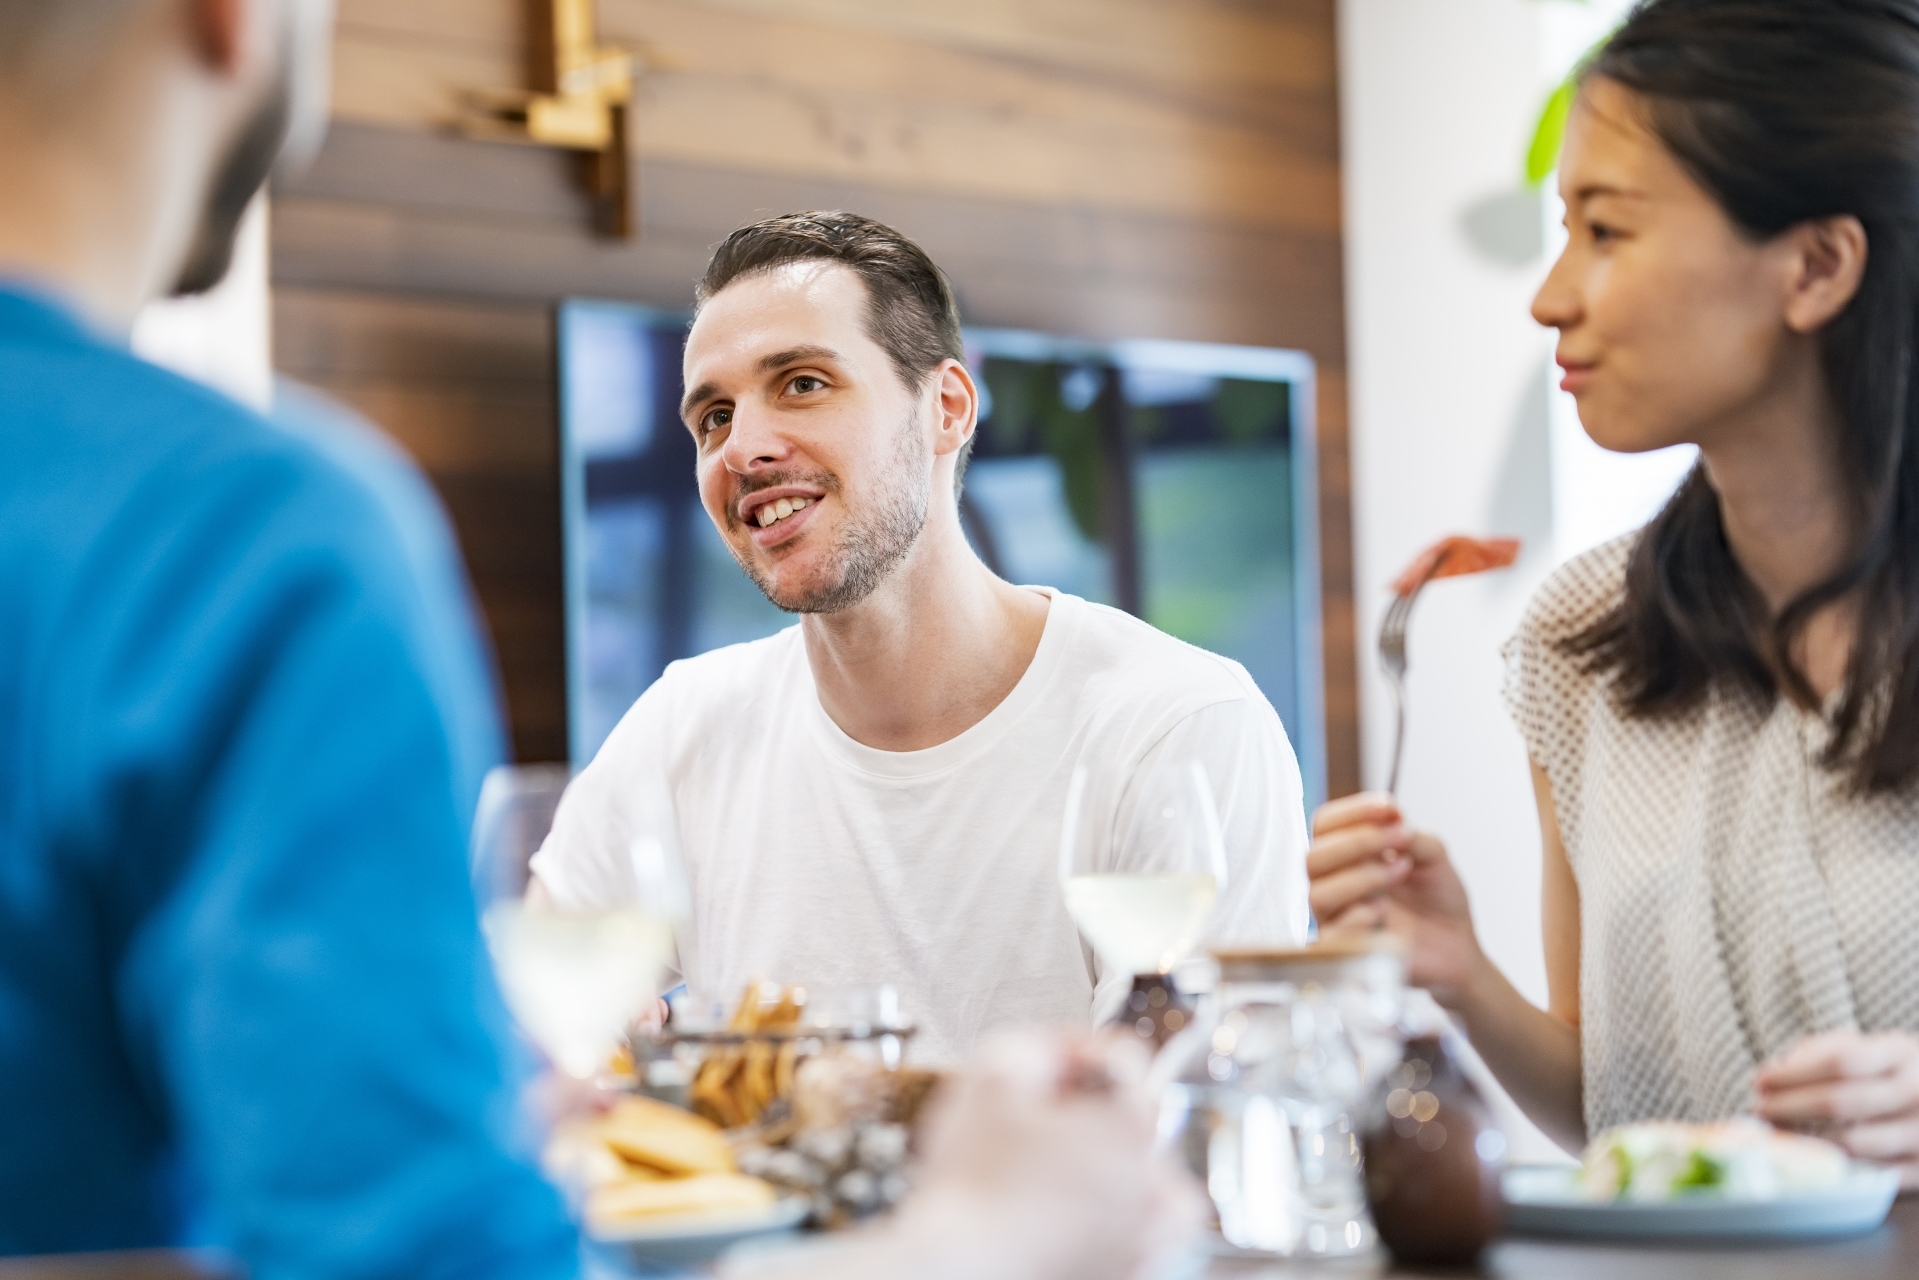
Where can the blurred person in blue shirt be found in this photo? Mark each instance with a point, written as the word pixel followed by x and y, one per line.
pixel 243 716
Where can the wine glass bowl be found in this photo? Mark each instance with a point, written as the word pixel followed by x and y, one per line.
pixel 1142 863
pixel 575 976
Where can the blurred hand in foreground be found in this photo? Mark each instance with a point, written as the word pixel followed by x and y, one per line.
pixel 1860 1089
pixel 1371 872
pixel 1038 1164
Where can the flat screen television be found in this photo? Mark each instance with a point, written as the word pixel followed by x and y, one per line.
pixel 1175 480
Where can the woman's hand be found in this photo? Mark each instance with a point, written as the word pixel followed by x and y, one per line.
pixel 1370 871
pixel 1860 1089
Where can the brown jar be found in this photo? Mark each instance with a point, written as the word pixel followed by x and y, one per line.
pixel 1433 1160
pixel 1155 1010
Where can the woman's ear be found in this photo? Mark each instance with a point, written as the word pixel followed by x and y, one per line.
pixel 1828 262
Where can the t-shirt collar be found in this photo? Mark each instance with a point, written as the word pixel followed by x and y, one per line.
pixel 1062 620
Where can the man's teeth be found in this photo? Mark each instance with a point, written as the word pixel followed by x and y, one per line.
pixel 779 510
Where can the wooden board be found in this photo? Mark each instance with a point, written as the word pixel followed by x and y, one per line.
pixel 1210 111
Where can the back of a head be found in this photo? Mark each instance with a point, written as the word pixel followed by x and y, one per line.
pixel 912 313
pixel 46 45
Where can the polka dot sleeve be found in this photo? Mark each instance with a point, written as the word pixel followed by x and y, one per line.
pixel 1551 697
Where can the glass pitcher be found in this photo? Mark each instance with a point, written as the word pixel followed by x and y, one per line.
pixel 1267 1089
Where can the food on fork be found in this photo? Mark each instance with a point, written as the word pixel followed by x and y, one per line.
pixel 1454 556
pixel 1741 1159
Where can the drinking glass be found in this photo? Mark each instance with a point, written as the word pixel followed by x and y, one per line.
pixel 1265 1088
pixel 575 978
pixel 1141 866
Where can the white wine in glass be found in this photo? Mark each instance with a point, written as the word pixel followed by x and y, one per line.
pixel 1140 880
pixel 574 980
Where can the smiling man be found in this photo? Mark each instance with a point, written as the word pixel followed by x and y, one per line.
pixel 876 795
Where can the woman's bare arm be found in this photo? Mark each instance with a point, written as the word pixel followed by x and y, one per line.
pixel 1535 1053
pixel 1370 871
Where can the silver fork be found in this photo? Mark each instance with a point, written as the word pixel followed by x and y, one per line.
pixel 1392 659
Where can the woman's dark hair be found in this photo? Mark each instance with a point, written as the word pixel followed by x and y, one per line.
pixel 1787 111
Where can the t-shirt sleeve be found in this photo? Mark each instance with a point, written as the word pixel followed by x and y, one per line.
pixel 586 862
pixel 264 783
pixel 1255 782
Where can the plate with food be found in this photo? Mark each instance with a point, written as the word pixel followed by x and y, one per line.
pixel 1732 1180
pixel 662 1185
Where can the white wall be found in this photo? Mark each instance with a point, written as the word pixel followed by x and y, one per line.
pixel 1454 406
pixel 224 337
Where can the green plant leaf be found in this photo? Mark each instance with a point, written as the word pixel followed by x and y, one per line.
pixel 1542 156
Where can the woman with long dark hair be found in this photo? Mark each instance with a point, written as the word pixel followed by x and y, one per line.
pixel 1722 709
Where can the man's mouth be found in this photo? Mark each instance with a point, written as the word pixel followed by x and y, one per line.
pixel 764 508
pixel 771 513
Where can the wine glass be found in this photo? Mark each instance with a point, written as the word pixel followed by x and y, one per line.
pixel 575 978
pixel 1141 863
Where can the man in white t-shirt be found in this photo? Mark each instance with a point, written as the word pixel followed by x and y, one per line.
pixel 876 795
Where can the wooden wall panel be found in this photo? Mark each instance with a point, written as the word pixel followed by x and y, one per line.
pixel 466 388
pixel 1108 168
pixel 1206 110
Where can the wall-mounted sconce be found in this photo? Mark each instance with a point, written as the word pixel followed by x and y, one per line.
pixel 580 100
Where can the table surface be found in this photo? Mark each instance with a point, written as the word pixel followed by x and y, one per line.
pixel 1891 1251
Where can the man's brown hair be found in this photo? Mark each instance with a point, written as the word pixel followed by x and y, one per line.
pixel 911 312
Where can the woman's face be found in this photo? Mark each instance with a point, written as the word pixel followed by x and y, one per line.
pixel 1671 321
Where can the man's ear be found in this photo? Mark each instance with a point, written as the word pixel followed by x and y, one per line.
pixel 957 406
pixel 219 32
pixel 1828 263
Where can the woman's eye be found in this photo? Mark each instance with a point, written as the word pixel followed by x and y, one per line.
pixel 1601 232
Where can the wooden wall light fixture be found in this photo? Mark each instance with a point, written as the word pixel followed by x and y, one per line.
pixel 580 100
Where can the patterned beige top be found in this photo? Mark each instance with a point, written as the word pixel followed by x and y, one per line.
pixel 1733 897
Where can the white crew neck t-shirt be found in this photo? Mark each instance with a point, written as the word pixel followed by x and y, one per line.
pixel 814 859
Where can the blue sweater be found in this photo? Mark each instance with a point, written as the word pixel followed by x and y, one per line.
pixel 243 712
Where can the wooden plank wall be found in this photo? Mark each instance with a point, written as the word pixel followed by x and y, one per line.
pixel 1106 168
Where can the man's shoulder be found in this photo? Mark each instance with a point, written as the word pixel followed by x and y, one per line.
pixel 708 694
pixel 751 669
pixel 1129 657
pixel 100 428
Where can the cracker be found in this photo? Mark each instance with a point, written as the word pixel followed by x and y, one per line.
pixel 707 1193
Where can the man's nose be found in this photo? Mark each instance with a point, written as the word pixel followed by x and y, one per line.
pixel 754 442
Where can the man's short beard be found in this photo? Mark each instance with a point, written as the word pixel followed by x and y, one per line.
pixel 869 549
pixel 240 176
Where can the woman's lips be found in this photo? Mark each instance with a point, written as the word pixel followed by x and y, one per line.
pixel 1576 376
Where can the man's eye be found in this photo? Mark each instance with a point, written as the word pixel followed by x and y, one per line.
pixel 1601 232
pixel 717 420
pixel 804 383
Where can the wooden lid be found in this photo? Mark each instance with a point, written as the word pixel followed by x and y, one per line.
pixel 1280 963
